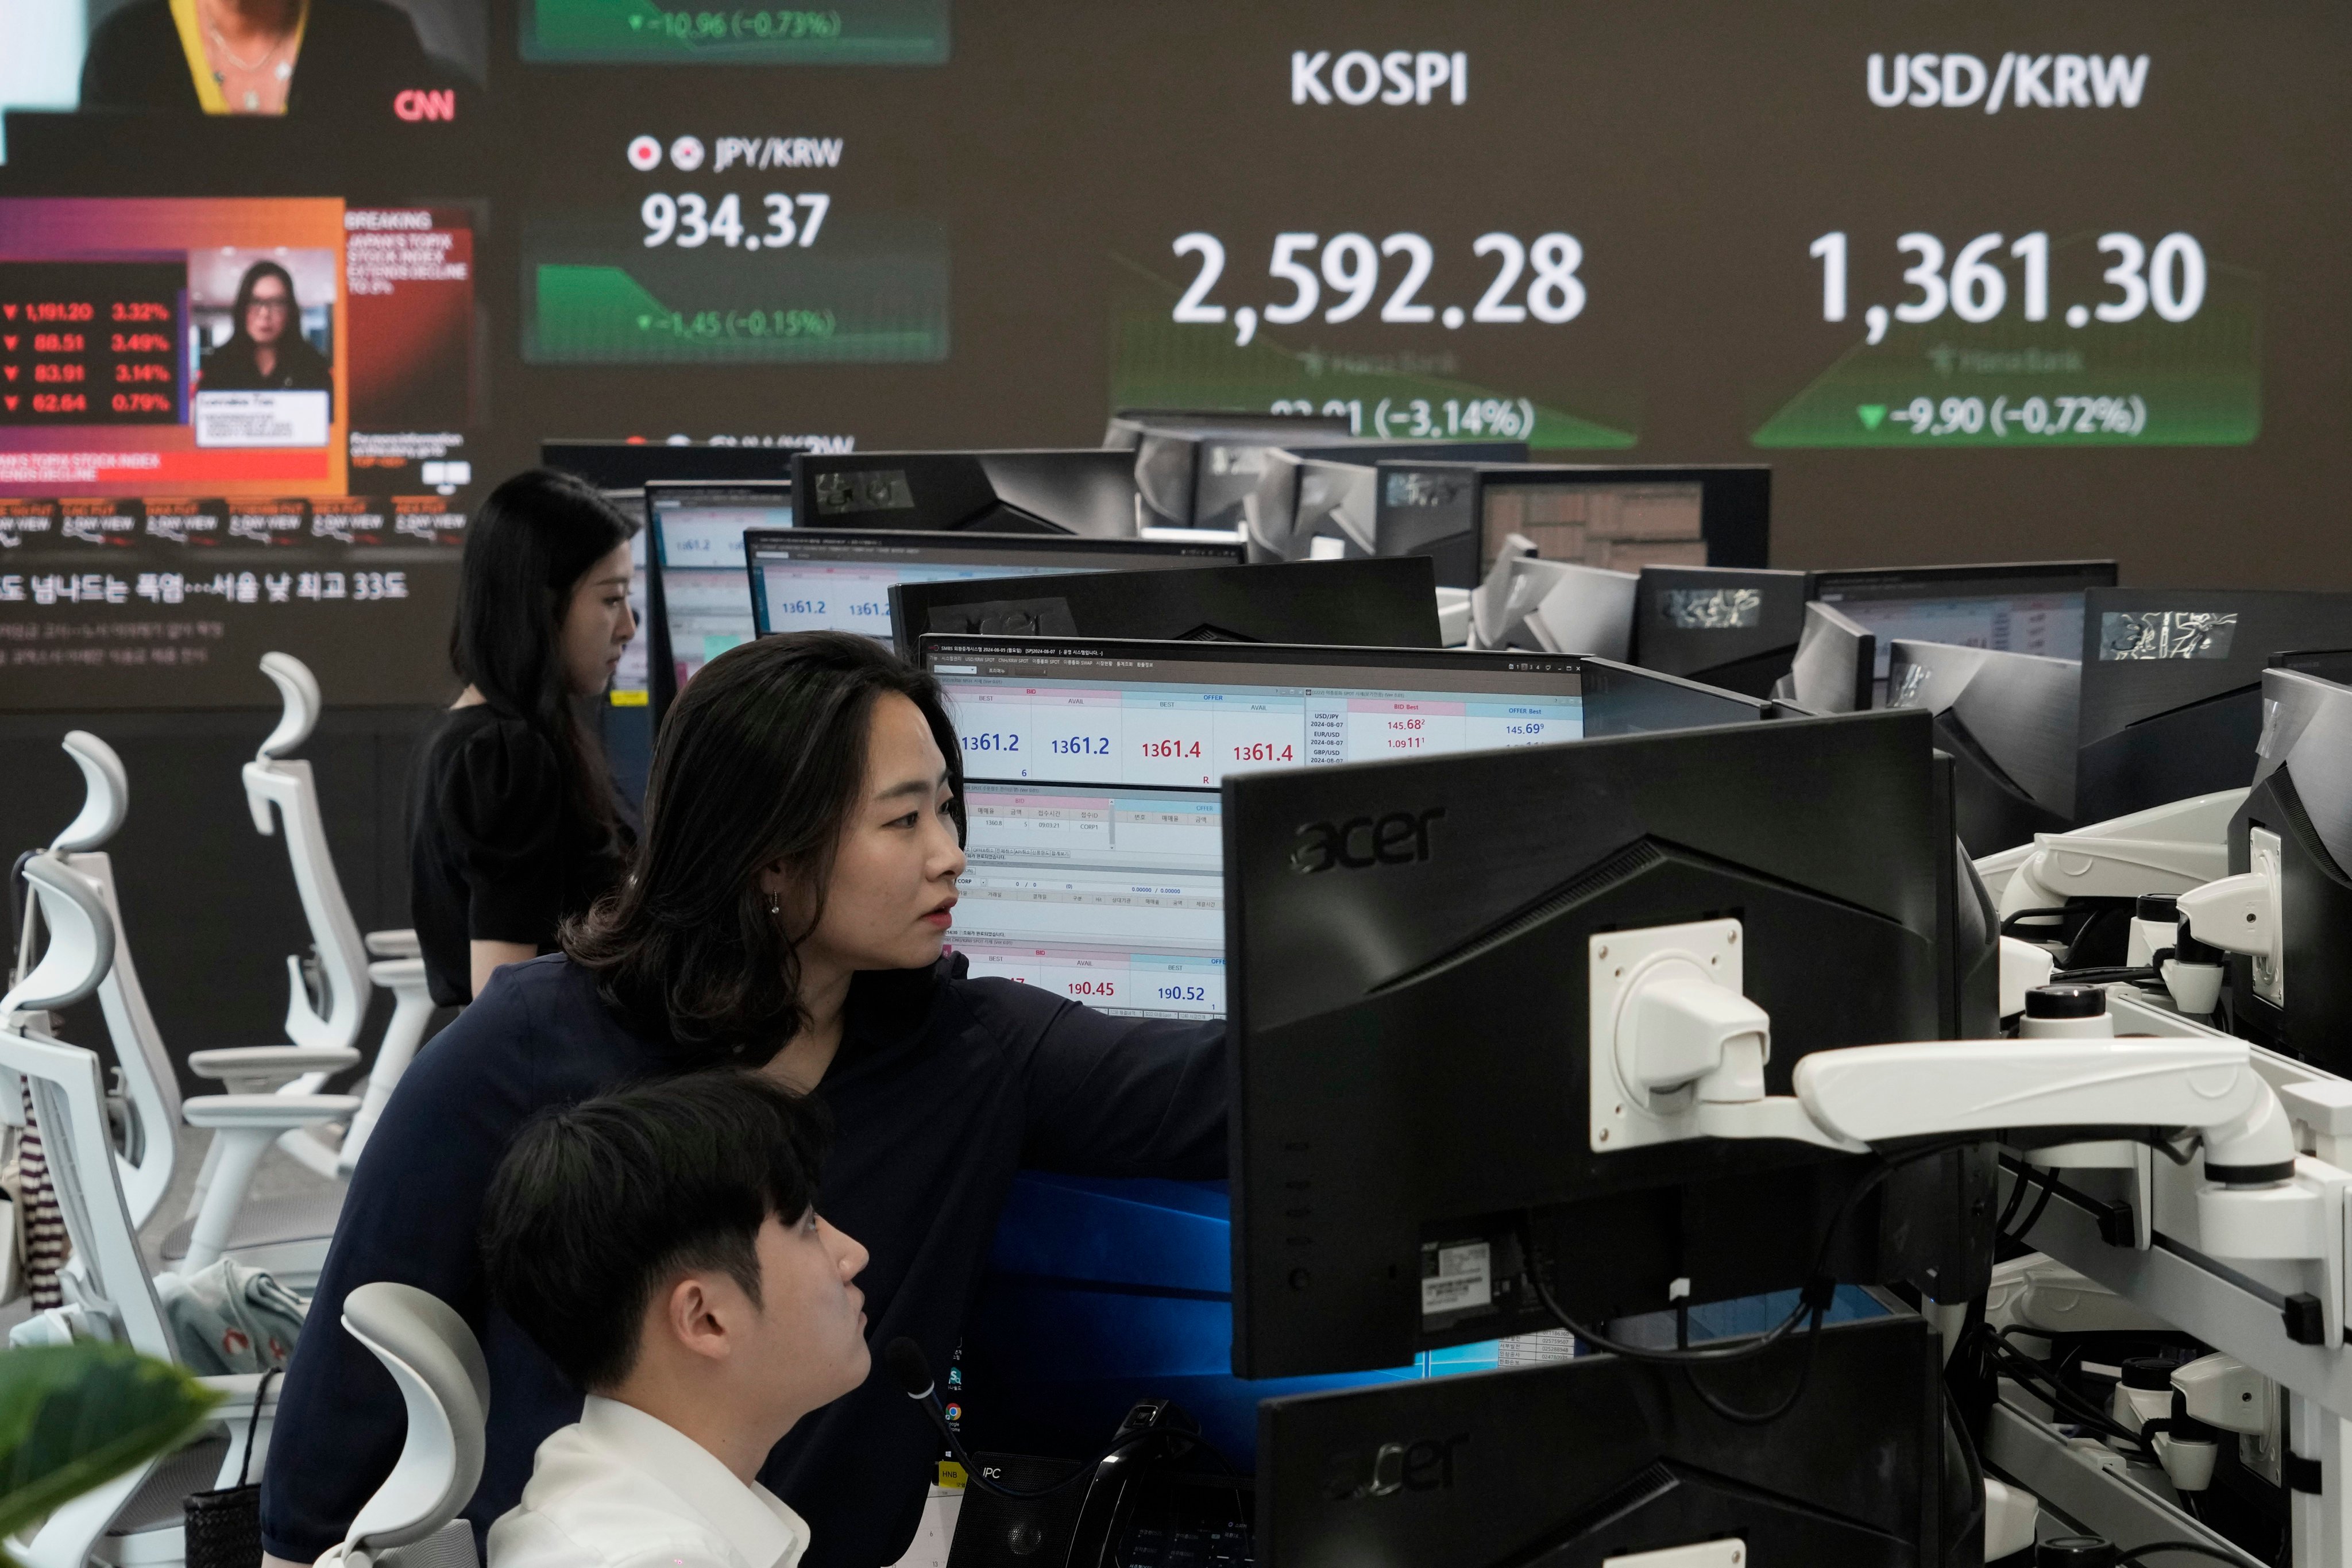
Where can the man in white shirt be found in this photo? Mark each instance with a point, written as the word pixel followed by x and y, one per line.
pixel 663 1246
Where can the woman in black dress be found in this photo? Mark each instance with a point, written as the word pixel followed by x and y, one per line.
pixel 266 350
pixel 517 823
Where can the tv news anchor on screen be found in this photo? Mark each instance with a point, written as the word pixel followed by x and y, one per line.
pixel 788 911
pixel 266 350
pixel 516 826
pixel 303 57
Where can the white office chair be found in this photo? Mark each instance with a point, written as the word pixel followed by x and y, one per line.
pixel 286 1237
pixel 135 1519
pixel 274 782
pixel 411 1520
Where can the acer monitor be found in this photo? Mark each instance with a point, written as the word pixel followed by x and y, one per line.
pixel 1088 491
pixel 1600 1460
pixel 1096 851
pixel 1373 604
pixel 1833 671
pixel 803 578
pixel 2172 687
pixel 1273 513
pixel 698 602
pixel 2297 824
pixel 2020 606
pixel 1412 947
pixel 1736 628
pixel 2007 719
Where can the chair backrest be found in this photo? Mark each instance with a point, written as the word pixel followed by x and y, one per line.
pixel 106 794
pixel 298 689
pixel 444 1382
pixel 270 781
pixel 148 1075
pixel 69 1103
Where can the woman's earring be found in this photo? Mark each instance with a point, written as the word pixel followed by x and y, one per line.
pixel 775 904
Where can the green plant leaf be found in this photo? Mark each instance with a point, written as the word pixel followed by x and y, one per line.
pixel 73 1418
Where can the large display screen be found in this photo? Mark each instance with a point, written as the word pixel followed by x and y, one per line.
pixel 228 425
pixel 1992 284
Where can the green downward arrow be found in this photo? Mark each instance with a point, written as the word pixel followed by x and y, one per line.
pixel 1872 413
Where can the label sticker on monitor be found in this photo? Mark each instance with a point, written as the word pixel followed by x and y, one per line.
pixel 2166 633
pixel 1457 1278
pixel 1711 609
pixel 870 489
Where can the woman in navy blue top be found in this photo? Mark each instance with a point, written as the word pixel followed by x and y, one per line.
pixel 788 911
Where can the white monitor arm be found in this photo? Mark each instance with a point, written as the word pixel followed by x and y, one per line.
pixel 2164 849
pixel 1681 1043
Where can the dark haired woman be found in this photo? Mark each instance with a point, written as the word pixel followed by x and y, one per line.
pixel 786 910
pixel 266 350
pixel 314 58
pixel 516 825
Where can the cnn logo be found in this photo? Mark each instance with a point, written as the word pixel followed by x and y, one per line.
pixel 416 103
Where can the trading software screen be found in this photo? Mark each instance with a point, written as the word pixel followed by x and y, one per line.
pixel 706 591
pixel 811 581
pixel 1096 838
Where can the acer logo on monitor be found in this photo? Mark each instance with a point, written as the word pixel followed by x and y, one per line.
pixel 1398 838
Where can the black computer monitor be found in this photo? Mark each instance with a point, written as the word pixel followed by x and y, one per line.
pixel 1195 468
pixel 698 602
pixel 1625 517
pixel 1836 665
pixel 2007 719
pixel 2021 606
pixel 1367 603
pixel 1092 769
pixel 1460 511
pixel 807 579
pixel 2172 686
pixel 1599 1460
pixel 630 466
pixel 2297 821
pixel 1412 946
pixel 1088 491
pixel 1733 628
pixel 1288 516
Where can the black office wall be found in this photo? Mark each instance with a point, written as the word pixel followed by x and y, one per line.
pixel 209 904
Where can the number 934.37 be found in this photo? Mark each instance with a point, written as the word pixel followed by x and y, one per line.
pixel 690 221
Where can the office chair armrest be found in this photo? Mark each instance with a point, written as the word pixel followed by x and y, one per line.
pixel 398 974
pixel 236 1390
pixel 393 943
pixel 258 1069
pixel 280 1113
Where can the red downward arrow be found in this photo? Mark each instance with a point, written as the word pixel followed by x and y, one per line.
pixel 12 405
pixel 10 373
pixel 9 311
pixel 10 343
